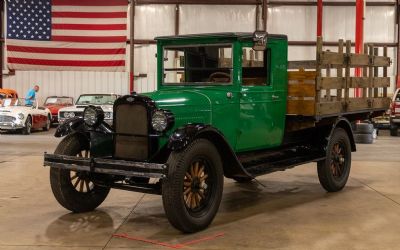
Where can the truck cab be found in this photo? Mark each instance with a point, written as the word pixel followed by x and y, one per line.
pixel 220 110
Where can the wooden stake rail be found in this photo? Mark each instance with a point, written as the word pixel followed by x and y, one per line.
pixel 318 93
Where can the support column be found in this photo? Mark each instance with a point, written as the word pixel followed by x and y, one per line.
pixel 132 46
pixel 319 17
pixel 360 5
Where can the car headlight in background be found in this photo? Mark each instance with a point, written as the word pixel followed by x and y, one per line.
pixel 162 120
pixel 69 114
pixel 93 116
pixel 108 115
pixel 21 116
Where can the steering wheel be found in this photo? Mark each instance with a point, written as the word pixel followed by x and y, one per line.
pixel 219 77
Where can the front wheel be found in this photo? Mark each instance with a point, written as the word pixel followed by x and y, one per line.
pixel 48 124
pixel 192 191
pixel 334 171
pixel 28 126
pixel 75 190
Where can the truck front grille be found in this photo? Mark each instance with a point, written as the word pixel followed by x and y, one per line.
pixel 131 127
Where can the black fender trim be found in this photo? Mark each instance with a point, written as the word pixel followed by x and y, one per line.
pixel 343 123
pixel 70 126
pixel 183 136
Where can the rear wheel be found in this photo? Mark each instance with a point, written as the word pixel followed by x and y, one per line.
pixel 28 126
pixel 333 172
pixel 48 124
pixel 75 190
pixel 193 189
pixel 394 130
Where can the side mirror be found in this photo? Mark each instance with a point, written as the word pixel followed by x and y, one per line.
pixel 260 40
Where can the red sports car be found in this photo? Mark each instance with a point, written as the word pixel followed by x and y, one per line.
pixel 54 103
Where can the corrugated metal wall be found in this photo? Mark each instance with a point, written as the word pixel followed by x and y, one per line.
pixel 298 22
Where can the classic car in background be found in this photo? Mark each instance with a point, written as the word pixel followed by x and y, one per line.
pixel 16 116
pixel 7 93
pixel 104 101
pixel 55 103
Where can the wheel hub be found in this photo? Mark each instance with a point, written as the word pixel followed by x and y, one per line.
pixel 194 185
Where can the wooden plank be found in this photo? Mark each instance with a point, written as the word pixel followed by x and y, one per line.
pixel 356 104
pixel 357 60
pixel 370 70
pixel 365 72
pixel 347 75
pixel 385 72
pixel 359 82
pixel 302 75
pixel 381 61
pixel 301 90
pixel 382 103
pixel 339 73
pixel 311 64
pixel 376 70
pixel 301 107
pixel 379 82
pixel 331 82
pixel 318 70
pixel 328 108
pixel 332 58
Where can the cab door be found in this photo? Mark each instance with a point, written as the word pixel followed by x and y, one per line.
pixel 262 101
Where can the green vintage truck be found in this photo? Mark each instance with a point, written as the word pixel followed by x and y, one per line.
pixel 226 106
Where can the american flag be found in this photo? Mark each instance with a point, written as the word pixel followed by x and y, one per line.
pixel 87 35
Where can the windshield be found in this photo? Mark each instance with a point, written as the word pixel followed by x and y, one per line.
pixel 59 101
pixel 15 102
pixel 96 100
pixel 198 65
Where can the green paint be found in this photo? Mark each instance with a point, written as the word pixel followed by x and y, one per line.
pixel 254 118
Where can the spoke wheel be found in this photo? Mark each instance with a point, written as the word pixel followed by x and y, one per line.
pixel 77 191
pixel 192 191
pixel 196 186
pixel 334 171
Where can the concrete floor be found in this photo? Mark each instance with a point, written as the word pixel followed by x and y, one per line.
pixel 291 212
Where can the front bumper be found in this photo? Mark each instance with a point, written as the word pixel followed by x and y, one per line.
pixel 10 126
pixel 107 166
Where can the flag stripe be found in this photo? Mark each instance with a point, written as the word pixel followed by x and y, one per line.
pixel 89 20
pixel 28 67
pixel 70 26
pixel 66 57
pixel 89 14
pixel 90 2
pixel 88 8
pixel 52 44
pixel 27 49
pixel 66 63
pixel 88 33
pixel 89 39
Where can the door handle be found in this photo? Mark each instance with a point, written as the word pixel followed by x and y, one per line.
pixel 275 97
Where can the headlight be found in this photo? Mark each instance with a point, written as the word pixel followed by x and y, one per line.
pixel 93 116
pixel 21 116
pixel 68 114
pixel 162 120
pixel 108 115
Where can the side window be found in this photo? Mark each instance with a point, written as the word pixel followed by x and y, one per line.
pixel 255 67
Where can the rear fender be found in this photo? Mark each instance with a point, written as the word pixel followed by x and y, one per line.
pixel 183 136
pixel 341 122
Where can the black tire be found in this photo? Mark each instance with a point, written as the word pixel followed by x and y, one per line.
pixel 394 130
pixel 333 172
pixel 242 179
pixel 187 215
pixel 364 138
pixel 28 126
pixel 48 124
pixel 62 182
pixel 364 128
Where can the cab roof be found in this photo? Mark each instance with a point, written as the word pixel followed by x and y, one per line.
pixel 225 35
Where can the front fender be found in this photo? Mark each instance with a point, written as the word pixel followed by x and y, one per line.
pixel 183 136
pixel 71 125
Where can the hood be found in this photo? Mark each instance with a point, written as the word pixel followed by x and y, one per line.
pixel 12 110
pixel 80 108
pixel 188 105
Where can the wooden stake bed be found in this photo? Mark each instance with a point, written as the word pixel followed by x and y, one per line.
pixel 319 94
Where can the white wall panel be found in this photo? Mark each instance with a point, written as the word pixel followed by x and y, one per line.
pixel 154 20
pixel 68 83
pixel 217 18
